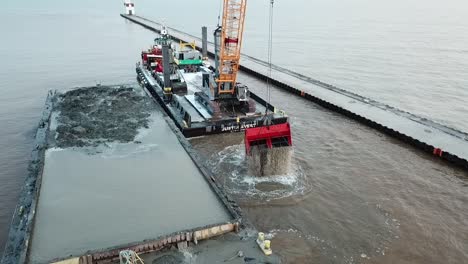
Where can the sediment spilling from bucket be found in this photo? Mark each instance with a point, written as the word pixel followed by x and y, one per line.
pixel 266 162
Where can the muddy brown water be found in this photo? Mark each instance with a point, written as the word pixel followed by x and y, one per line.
pixel 352 195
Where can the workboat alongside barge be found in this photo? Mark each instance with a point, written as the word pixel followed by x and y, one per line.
pixel 184 83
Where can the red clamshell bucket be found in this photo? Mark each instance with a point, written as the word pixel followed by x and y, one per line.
pixel 272 136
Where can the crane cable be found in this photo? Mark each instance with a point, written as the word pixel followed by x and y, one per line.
pixel 270 50
pixel 219 11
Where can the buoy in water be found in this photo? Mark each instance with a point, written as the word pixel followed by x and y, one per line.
pixel 265 245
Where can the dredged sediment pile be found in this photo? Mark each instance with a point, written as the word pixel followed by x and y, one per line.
pixel 94 115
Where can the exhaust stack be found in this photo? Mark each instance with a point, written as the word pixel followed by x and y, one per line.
pixel 167 71
pixel 204 43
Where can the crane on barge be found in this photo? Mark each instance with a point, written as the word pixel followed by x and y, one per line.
pixel 227 56
pixel 229 51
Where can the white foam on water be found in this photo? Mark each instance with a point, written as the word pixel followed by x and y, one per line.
pixel 269 188
pixel 274 232
pixel 325 245
pixel 232 154
pixel 289 179
pixel 189 256
pixel 231 163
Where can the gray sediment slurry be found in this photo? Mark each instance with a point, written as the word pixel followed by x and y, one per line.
pixel 115 173
pixel 91 116
pixel 267 162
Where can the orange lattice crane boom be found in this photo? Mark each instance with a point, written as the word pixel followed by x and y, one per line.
pixel 231 42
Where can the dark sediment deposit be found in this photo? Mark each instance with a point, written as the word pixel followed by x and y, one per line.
pixel 95 115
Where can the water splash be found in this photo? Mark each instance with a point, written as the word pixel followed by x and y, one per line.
pixel 232 169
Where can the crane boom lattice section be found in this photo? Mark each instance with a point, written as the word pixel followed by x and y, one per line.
pixel 231 41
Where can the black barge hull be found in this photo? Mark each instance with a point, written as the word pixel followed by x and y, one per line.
pixel 225 125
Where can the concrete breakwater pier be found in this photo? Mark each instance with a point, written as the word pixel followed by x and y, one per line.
pixel 110 172
pixel 447 143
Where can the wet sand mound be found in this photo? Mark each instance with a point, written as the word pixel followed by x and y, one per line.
pixel 95 115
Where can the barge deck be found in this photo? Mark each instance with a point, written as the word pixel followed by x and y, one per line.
pixel 127 181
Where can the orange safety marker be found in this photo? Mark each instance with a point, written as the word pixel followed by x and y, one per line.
pixel 437 152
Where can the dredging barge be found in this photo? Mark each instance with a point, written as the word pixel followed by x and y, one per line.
pixel 204 100
pixel 184 83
